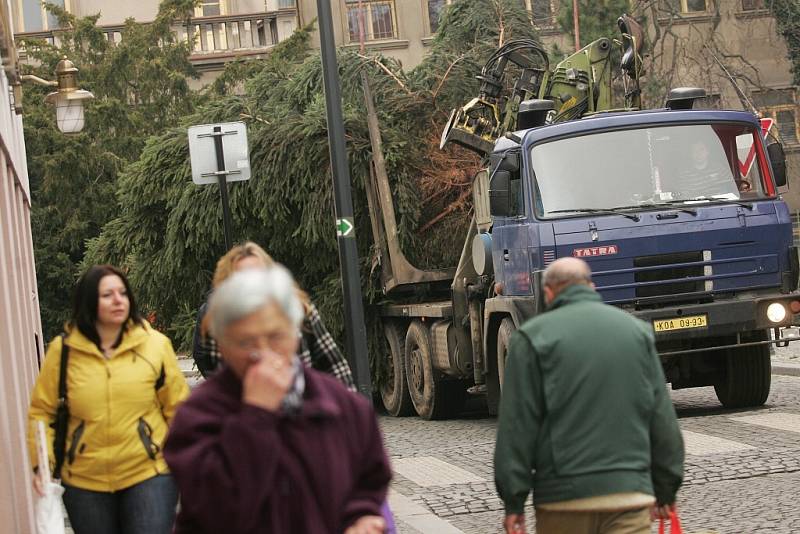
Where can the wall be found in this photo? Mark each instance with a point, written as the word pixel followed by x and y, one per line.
pixel 20 342
pixel 116 11
pixel 412 29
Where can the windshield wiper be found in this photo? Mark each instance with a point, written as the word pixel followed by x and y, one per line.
pixel 745 205
pixel 668 205
pixel 611 211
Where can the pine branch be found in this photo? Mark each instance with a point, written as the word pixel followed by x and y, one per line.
pixel 387 71
pixel 456 204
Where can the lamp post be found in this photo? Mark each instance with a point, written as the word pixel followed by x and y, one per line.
pixel 68 99
pixel 343 205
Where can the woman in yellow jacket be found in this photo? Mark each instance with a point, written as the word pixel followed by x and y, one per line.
pixel 123 387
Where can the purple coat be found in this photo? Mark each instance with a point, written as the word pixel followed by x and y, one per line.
pixel 241 469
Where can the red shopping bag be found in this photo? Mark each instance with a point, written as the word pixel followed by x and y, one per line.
pixel 674 523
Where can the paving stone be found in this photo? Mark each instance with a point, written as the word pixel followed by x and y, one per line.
pixel 699 444
pixel 428 471
pixel 789 422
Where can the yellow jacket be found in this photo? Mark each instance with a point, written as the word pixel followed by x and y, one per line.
pixel 118 420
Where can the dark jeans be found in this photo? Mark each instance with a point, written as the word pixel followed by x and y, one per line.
pixel 146 508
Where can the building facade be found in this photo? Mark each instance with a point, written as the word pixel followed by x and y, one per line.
pixel 403 29
pixel 220 31
pixel 21 347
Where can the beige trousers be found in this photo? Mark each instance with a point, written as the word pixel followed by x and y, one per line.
pixel 627 522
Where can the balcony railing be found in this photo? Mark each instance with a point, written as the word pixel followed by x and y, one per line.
pixel 229 33
pixel 220 35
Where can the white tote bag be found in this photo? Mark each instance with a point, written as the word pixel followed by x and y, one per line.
pixel 48 510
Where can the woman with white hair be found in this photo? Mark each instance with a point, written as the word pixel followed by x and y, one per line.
pixel 267 445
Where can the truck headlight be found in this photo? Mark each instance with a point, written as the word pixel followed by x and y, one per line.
pixel 776 312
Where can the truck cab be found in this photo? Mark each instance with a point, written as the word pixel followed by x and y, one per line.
pixel 677 213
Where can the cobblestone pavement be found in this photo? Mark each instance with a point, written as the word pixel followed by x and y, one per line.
pixel 742 466
pixel 790 353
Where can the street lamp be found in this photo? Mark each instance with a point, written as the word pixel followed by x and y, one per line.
pixel 68 99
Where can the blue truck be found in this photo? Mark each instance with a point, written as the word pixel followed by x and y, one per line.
pixel 677 211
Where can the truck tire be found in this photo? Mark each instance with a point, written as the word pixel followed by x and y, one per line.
pixel 494 386
pixel 432 397
pixel 394 389
pixel 746 378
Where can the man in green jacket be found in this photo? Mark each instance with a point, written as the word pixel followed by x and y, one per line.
pixel 585 418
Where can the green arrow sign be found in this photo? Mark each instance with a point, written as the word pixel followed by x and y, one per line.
pixel 344 227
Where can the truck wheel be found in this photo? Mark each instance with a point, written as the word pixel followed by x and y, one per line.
pixel 394 389
pixel 432 398
pixel 745 380
pixel 494 384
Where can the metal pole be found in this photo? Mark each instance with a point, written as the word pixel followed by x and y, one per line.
pixel 343 205
pixel 576 25
pixel 361 47
pixel 222 179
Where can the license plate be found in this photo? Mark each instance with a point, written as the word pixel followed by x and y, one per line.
pixel 680 323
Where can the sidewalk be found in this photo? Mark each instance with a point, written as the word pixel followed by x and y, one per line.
pixel 413 518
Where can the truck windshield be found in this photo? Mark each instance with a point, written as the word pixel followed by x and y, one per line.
pixel 643 167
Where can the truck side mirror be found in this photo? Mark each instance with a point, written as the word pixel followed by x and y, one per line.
pixel 778 160
pixel 500 194
pixel 508 161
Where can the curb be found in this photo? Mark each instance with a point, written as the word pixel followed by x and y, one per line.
pixel 786 368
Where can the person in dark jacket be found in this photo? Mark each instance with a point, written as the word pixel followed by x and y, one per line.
pixel 317 347
pixel 585 419
pixel 267 444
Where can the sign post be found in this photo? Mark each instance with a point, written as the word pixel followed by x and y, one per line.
pixel 223 186
pixel 227 163
pixel 343 206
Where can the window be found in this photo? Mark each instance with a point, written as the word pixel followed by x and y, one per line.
pixel 35 18
pixel 687 6
pixel 543 12
pixel 378 17
pixel 435 9
pixel 210 8
pixel 285 4
pixel 752 5
pixel 693 6
pixel 781 105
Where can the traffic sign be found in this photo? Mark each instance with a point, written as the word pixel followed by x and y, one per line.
pixel 205 169
pixel 344 227
pixel 746 144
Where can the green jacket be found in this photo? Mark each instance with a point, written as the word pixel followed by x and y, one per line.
pixel 585 409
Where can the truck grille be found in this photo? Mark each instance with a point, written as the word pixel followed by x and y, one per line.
pixel 666 268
